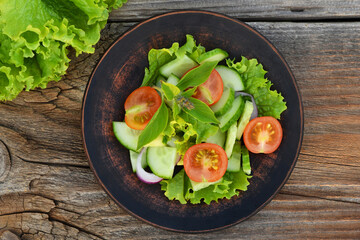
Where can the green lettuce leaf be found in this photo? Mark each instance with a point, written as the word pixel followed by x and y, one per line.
pixel 179 188
pixel 159 57
pixel 203 130
pixel 188 131
pixel 183 131
pixel 34 46
pixel 174 188
pixel 232 183
pixel 169 90
pixel 269 102
pixel 190 48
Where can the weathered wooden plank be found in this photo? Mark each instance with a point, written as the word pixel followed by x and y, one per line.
pixel 243 9
pixel 50 192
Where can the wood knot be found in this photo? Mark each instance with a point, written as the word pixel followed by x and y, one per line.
pixel 5 161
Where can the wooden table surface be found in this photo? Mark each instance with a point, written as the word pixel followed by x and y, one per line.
pixel 48 191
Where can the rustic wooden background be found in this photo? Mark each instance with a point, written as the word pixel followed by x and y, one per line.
pixel 47 190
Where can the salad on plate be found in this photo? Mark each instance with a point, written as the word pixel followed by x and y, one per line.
pixel 194 119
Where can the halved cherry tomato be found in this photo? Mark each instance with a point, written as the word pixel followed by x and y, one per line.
pixel 210 91
pixel 140 107
pixel 263 135
pixel 205 162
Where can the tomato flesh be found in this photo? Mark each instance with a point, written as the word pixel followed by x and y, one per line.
pixel 140 107
pixel 211 90
pixel 263 135
pixel 205 162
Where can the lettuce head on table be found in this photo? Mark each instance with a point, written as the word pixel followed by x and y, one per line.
pixel 35 37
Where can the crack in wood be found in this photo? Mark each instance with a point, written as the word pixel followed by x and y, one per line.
pixel 298 19
pixel 21 212
pixel 5 161
pixel 330 163
pixel 55 164
pixel 49 217
pixel 284 192
pixel 71 211
pixel 80 229
pixel 297 9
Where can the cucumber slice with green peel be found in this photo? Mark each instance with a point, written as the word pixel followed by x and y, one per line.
pixel 134 157
pixel 244 119
pixel 227 98
pixel 196 186
pixel 174 80
pixel 245 160
pixel 129 137
pixel 215 55
pixel 157 142
pixel 231 78
pixel 232 115
pixel 161 161
pixel 178 66
pixel 230 139
pixel 218 138
pixel 234 162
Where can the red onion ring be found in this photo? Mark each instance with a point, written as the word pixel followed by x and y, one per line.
pixel 144 176
pixel 254 113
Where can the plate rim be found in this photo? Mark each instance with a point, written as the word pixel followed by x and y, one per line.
pixel 248 27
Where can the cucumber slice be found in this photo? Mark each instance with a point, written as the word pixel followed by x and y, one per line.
pixel 129 137
pixel 230 139
pixel 178 67
pixel 232 115
pixel 215 55
pixel 244 119
pixel 174 80
pixel 231 78
pixel 161 161
pixel 234 163
pixel 133 158
pixel 218 138
pixel 227 98
pixel 245 160
pixel 157 142
pixel 196 186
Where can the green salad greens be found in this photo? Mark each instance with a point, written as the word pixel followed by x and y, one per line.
pixel 35 37
pixel 269 102
pixel 180 188
pixel 182 121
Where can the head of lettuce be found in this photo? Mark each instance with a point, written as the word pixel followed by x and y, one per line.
pixel 35 37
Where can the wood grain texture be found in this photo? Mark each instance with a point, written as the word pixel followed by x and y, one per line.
pixel 51 193
pixel 244 9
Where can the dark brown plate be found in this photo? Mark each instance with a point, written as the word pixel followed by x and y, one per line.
pixel 121 70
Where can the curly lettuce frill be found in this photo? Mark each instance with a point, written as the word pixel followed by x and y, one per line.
pixel 35 37
pixel 269 102
pixel 179 188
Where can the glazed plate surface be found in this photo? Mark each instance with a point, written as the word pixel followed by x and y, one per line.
pixel 121 70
